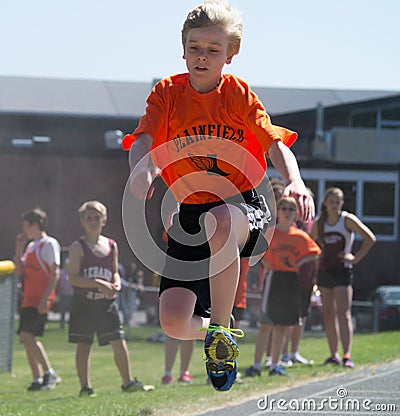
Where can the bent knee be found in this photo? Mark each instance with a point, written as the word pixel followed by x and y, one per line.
pixel 172 327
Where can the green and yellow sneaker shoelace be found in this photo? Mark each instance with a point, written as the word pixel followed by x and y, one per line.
pixel 219 347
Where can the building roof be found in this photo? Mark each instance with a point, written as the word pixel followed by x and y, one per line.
pixel 19 95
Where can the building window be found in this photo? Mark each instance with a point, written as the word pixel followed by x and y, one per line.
pixel 372 196
pixel 366 119
pixel 379 118
pixel 379 199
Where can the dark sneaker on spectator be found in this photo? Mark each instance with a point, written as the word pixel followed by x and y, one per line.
pixel 35 386
pixel 252 372
pixel 87 392
pixel 278 371
pixel 333 360
pixel 50 381
pixel 286 360
pixel 136 385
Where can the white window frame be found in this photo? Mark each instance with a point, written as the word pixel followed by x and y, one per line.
pixel 359 177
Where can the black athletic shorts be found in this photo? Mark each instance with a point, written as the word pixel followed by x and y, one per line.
pixel 238 313
pixel 305 299
pixel 90 317
pixel 188 228
pixel 331 278
pixel 32 322
pixel 284 298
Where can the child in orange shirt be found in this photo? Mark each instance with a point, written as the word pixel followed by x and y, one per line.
pixel 208 135
pixel 289 249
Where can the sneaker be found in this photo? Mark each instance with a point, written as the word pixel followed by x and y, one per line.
pixel 268 362
pixel 86 391
pixel 297 358
pixel 221 352
pixel 35 386
pixel 348 362
pixel 136 385
pixel 222 375
pixel 50 381
pixel 252 372
pixel 185 378
pixel 286 360
pixel 277 371
pixel 238 379
pixel 333 360
pixel 167 380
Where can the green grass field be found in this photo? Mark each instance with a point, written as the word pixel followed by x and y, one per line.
pixel 147 360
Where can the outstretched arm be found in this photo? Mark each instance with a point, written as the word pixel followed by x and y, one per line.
pixel 286 164
pixel 141 176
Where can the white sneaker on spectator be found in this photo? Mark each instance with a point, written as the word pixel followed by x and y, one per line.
pixel 297 358
pixel 268 362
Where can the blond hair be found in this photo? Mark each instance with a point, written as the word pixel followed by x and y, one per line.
pixel 289 200
pixel 95 205
pixel 216 13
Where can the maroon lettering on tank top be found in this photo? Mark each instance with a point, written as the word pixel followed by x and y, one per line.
pixel 95 267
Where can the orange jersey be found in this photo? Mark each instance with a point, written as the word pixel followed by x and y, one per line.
pixel 208 146
pixel 37 275
pixel 286 249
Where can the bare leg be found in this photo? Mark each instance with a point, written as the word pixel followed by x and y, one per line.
pixel 288 337
pixel 176 314
pixel 296 334
pixel 343 297
pixel 171 349
pixel 121 358
pixel 329 312
pixel 82 362
pixel 36 354
pixel 224 240
pixel 277 342
pixel 186 355
pixel 262 340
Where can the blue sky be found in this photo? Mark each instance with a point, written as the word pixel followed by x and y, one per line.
pixel 346 44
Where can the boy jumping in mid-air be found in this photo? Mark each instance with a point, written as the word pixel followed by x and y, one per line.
pixel 208 135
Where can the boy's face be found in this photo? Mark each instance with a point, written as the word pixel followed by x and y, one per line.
pixel 206 54
pixel 93 221
pixel 29 229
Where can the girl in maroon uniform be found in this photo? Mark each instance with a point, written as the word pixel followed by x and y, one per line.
pixel 334 231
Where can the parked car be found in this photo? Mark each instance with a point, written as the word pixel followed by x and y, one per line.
pixel 388 298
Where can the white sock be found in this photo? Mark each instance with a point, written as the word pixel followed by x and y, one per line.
pixel 50 371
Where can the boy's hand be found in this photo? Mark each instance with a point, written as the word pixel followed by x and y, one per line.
pixel 43 306
pixel 20 242
pixel 106 288
pixel 141 183
pixel 305 201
